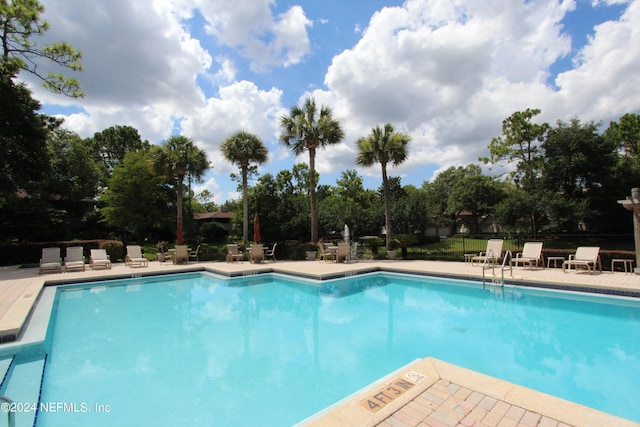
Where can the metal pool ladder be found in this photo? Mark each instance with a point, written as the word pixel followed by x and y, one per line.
pixel 506 263
pixel 10 414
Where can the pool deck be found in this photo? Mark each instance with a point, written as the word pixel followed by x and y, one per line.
pixel 427 392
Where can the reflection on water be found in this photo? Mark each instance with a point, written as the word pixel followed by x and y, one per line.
pixel 240 351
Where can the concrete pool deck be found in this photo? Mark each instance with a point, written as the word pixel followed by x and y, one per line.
pixel 445 395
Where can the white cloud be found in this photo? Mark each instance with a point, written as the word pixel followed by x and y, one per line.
pixel 227 72
pixel 458 68
pixel 251 27
pixel 240 106
pixel 140 65
pixel 604 83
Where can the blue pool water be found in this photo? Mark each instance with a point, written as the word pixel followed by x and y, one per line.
pixel 269 350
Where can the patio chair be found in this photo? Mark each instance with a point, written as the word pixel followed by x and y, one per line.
pixel 531 254
pixel 256 253
pixel 271 253
pixel 99 258
pixel 74 259
pixel 135 258
pixel 181 254
pixel 234 254
pixel 491 255
pixel 342 254
pixel 51 260
pixel 193 255
pixel 324 253
pixel 585 256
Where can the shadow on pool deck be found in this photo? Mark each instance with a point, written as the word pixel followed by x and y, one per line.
pixel 446 395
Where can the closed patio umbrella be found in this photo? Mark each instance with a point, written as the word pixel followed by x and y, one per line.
pixel 256 228
pixel 346 233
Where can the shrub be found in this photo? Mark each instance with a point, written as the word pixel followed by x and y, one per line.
pixel 114 249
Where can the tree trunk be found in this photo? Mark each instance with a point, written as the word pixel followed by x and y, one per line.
pixel 179 237
pixel 245 206
pixel 312 195
pixel 387 205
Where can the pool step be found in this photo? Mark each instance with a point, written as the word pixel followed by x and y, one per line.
pixel 22 383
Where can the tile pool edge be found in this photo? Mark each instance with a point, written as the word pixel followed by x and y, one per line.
pixel 359 270
pixel 350 410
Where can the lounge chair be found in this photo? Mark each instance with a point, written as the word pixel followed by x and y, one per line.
pixel 51 260
pixel 233 254
pixel 491 255
pixel 342 254
pixel 271 253
pixel 193 255
pixel 531 254
pixel 135 258
pixel 74 259
pixel 181 254
pixel 99 258
pixel 585 256
pixel 324 253
pixel 256 253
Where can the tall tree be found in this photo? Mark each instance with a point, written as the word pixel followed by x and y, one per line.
pixel 113 143
pixel 521 144
pixel 308 129
pixel 24 159
pixel 20 22
pixel 626 132
pixel 579 165
pixel 75 174
pixel 437 194
pixel 136 199
pixel 176 158
pixel 475 193
pixel 244 148
pixel 384 146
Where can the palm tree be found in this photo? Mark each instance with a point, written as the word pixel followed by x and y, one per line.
pixel 243 148
pixel 306 128
pixel 176 158
pixel 383 146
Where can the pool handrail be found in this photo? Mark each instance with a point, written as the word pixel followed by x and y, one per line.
pixel 11 416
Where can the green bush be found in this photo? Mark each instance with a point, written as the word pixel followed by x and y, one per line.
pixel 114 248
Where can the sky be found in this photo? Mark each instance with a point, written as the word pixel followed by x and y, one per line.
pixel 445 72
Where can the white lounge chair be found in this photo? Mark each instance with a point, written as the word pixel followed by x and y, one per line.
pixel 491 255
pixel 135 258
pixel 99 259
pixel 74 259
pixel 233 254
pixel 585 256
pixel 51 260
pixel 531 254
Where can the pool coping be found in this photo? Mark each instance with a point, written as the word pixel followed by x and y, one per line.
pixel 353 410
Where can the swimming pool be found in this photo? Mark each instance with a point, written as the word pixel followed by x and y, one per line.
pixel 200 349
